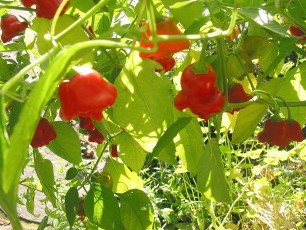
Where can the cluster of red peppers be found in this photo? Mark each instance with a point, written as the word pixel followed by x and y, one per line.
pixel 280 132
pixel 199 93
pixel 45 8
pixel 163 55
pixel 11 27
pixel 44 134
pixel 94 134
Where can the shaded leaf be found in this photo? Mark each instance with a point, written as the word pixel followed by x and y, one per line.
pixel 102 208
pixel 66 144
pixel 136 210
pixel 71 204
pixel 211 176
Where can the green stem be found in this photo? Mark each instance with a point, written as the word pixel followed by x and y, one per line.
pixel 56 16
pixel 222 54
pixel 276 106
pixel 288 110
pixel 200 67
pixel 245 71
pixel 2 6
pixel 80 21
pixel 95 166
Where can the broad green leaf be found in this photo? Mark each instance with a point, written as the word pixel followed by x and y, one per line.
pixel 294 90
pixel 42 27
pixel 211 176
pixel 66 144
pixel 190 146
pixel 45 174
pixel 123 178
pixel 144 105
pixel 168 154
pixel 182 4
pixel 131 153
pixel 182 14
pixel 71 205
pixel 102 208
pixel 247 121
pixel 263 18
pixel 136 210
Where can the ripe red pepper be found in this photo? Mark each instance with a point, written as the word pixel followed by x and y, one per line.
pixel 199 93
pixel 86 123
pixel 167 62
pixel 91 31
pixel 95 136
pixel 44 133
pixel 86 94
pixel 274 133
pixel 114 151
pixel 11 27
pixel 48 8
pixel 236 94
pixel 164 26
pixel 297 32
pixel 294 131
pixel 28 3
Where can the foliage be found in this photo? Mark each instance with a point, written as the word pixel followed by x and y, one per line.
pixel 174 170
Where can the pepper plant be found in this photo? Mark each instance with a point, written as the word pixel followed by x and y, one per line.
pixel 145 81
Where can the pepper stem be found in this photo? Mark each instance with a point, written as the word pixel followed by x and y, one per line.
pixel 200 66
pixel 288 110
pixel 276 106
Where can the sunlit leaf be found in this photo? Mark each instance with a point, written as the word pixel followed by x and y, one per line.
pixel 123 178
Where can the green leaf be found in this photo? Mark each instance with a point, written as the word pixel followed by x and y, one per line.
pixel 170 134
pixel 190 146
pixel 247 121
pixel 182 14
pixel 211 176
pixel 136 210
pixel 67 144
pixel 131 153
pixel 45 174
pixel 263 18
pixel 102 208
pixel 71 173
pixel 123 178
pixel 294 90
pixel 144 105
pixel 43 224
pixel 71 204
pixel 42 27
pixel 30 196
pixel 182 4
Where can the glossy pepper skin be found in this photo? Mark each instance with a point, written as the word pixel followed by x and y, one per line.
pixel 11 27
pixel 280 132
pixel 297 32
pixel 164 26
pixel 274 133
pixel 294 131
pixel 167 63
pixel 28 3
pixel 86 94
pixel 114 151
pixel 44 133
pixel 199 93
pixel 48 8
pixel 86 123
pixel 236 94
pixel 95 136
